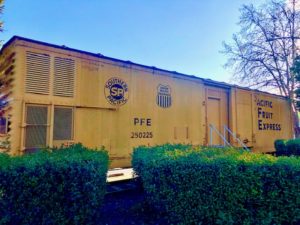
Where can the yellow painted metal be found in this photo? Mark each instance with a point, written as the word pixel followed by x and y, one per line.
pixel 216 114
pixel 260 118
pixel 159 106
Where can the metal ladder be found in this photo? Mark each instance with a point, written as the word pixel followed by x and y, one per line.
pixel 212 129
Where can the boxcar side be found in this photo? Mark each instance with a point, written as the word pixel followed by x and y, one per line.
pixel 62 95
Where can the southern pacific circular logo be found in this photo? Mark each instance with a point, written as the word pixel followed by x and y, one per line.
pixel 116 91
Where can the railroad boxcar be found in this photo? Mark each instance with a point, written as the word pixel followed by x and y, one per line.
pixel 53 95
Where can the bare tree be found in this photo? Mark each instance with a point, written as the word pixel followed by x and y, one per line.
pixel 1 11
pixel 264 49
pixel 296 71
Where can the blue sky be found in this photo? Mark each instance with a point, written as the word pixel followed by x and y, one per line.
pixel 179 35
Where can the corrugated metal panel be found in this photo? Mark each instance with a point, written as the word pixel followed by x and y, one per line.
pixel 64 75
pixel 36 126
pixel 63 123
pixel 35 136
pixel 38 73
pixel 36 115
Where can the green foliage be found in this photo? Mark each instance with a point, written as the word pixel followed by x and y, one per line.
pixel 198 185
pixel 280 146
pixel 293 147
pixel 65 186
pixel 295 69
pixel 287 147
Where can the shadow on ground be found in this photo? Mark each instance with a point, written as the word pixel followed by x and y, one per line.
pixel 128 208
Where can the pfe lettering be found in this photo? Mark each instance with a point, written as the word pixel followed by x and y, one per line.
pixel 142 122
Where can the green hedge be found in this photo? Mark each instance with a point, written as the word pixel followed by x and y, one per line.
pixel 195 185
pixel 293 147
pixel 287 147
pixel 280 147
pixel 65 186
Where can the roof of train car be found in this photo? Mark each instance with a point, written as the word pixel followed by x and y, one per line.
pixel 97 55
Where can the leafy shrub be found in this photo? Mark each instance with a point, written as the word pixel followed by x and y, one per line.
pixel 194 185
pixel 287 147
pixel 280 146
pixel 293 147
pixel 65 186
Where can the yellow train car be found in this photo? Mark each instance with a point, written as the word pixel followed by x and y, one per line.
pixel 53 95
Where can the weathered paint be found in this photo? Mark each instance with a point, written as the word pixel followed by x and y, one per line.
pixel 121 105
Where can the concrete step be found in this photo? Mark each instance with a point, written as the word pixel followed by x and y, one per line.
pixel 120 174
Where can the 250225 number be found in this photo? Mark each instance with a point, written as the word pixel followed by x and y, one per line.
pixel 141 135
